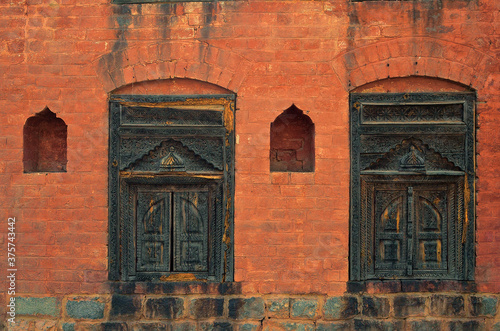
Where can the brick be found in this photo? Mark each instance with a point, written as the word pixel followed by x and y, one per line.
pixel 206 307
pixel 303 308
pixel 46 306
pixel 251 308
pixel 164 308
pixel 340 307
pixel 85 308
pixel 374 287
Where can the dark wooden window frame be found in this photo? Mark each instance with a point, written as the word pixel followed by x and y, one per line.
pixel 385 129
pixel 198 132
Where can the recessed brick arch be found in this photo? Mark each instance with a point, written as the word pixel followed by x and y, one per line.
pixel 195 60
pixel 403 57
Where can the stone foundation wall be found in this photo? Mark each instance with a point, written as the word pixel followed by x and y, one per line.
pixel 230 311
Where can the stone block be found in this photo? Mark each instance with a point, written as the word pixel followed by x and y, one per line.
pixel 423 325
pixel 186 326
pixel 246 308
pixel 68 326
pixel 376 307
pixel 340 308
pixel 164 308
pixel 113 326
pixel 151 327
pixel 303 308
pixel 85 308
pixel 334 326
pixel 206 307
pixel 124 306
pixel 278 308
pixel 376 325
pixel 405 306
pixel 216 326
pixel 289 326
pixel 483 305
pixel 249 327
pixel 47 306
pixel 470 325
pixel 447 305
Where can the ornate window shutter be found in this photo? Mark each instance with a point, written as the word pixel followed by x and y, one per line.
pixel 171 177
pixel 412 206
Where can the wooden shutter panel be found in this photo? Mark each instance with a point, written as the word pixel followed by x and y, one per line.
pixel 153 214
pixel 191 216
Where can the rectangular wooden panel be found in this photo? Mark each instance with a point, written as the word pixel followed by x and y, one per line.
pixel 153 223
pixel 206 115
pixel 191 222
pixel 431 217
pixel 390 220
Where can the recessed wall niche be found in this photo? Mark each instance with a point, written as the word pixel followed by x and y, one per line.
pixel 45 143
pixel 292 142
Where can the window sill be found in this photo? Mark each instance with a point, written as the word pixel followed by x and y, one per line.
pixel 179 288
pixel 405 286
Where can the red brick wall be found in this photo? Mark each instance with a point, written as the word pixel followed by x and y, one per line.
pixel 291 229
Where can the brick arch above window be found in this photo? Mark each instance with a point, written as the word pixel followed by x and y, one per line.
pixel 193 60
pixel 404 57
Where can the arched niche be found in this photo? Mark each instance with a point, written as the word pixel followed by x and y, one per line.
pixel 45 143
pixel 292 142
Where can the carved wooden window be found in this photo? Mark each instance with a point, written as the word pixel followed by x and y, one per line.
pixel 292 142
pixel 45 143
pixel 412 196
pixel 171 187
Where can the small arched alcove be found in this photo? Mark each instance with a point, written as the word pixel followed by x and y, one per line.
pixel 292 142
pixel 45 143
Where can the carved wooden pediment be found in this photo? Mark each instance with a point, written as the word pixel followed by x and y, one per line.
pixel 414 156
pixel 209 149
pixel 171 155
